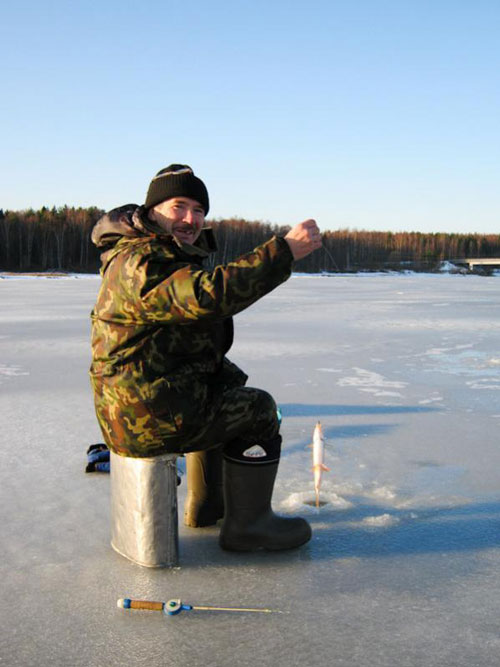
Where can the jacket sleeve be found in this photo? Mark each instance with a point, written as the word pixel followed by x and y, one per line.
pixel 189 293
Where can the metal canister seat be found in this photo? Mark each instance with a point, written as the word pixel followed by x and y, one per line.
pixel 144 518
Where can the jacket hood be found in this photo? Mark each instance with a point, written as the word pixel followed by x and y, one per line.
pixel 131 221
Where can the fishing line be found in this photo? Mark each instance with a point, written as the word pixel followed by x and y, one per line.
pixel 330 256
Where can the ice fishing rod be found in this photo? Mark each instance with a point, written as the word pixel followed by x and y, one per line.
pixel 174 607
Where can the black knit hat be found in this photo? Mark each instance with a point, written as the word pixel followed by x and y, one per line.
pixel 176 180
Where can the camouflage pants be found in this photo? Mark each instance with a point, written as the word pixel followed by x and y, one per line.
pixel 244 418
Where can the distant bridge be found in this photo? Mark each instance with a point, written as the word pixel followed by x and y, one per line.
pixel 471 262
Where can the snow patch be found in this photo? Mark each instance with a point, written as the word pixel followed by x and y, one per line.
pixel 329 370
pixel 378 392
pixel 371 382
pixel 442 350
pixel 449 324
pixel 380 521
pixel 49 276
pixel 431 399
pixel 448 267
pixel 11 371
pixel 484 383
pixel 381 493
pixel 253 351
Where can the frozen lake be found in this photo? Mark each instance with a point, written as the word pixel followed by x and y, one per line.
pixel 404 374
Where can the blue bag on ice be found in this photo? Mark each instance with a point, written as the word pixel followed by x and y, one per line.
pixel 98 458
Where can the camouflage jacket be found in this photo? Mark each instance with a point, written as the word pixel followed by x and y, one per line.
pixel 161 328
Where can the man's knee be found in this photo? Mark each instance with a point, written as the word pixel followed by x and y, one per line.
pixel 266 404
pixel 260 441
pixel 250 407
pixel 265 415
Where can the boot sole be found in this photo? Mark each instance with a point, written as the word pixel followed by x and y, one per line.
pixel 196 517
pixel 201 523
pixel 248 547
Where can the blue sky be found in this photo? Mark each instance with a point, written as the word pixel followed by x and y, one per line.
pixel 366 114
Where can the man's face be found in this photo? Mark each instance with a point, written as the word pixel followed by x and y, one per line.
pixel 180 216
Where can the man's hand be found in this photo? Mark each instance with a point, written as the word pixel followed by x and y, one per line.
pixel 304 239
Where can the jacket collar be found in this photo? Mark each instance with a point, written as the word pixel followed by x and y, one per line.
pixel 134 223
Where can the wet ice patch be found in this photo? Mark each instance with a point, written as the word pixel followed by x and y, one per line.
pixel 371 382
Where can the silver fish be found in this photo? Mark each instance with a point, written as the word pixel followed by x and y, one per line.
pixel 318 452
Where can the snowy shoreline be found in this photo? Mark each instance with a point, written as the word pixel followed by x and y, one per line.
pixel 296 274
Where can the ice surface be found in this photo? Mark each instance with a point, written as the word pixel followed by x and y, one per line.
pixel 402 371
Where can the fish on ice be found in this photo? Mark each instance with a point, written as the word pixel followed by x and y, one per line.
pixel 318 452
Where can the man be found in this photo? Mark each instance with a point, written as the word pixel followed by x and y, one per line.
pixel 161 328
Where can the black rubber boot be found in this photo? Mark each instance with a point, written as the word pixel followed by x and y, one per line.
pixel 249 522
pixel 205 501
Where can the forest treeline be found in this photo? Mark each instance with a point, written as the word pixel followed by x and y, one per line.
pixel 58 239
